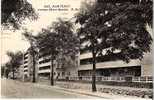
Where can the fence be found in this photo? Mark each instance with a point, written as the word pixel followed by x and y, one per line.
pixel 144 79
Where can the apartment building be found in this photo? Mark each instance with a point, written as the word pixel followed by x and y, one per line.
pixel 25 66
pixel 28 66
pixel 115 68
pixel 81 65
pixel 63 66
pixel 44 64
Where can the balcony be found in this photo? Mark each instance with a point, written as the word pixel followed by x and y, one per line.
pixel 60 68
pixel 44 67
pixel 44 64
pixel 26 54
pixel 26 61
pixel 144 79
pixel 25 70
pixel 110 64
pixel 44 71
pixel 86 55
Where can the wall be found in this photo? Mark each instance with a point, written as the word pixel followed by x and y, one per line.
pixel 147 65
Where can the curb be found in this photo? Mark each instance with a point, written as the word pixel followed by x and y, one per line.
pixel 110 97
pixel 102 97
pixel 69 90
pixel 75 91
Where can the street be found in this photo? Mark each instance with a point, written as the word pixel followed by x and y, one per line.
pixel 17 89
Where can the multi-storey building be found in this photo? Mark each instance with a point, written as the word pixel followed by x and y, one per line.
pixel 44 64
pixel 27 66
pixel 68 66
pixel 62 66
pixel 82 66
pixel 115 68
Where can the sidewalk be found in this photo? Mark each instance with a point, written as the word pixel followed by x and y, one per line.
pixel 95 94
pixel 107 89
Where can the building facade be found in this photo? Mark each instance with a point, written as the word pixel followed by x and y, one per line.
pixel 26 66
pixel 82 66
pixel 115 68
pixel 63 66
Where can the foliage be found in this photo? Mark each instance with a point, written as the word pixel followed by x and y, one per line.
pixel 69 41
pixel 47 42
pixel 2 71
pixel 59 38
pixel 58 41
pixel 14 63
pixel 15 11
pixel 7 68
pixel 33 50
pixel 15 58
pixel 117 28
pixel 31 39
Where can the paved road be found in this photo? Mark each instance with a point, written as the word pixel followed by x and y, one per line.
pixel 16 89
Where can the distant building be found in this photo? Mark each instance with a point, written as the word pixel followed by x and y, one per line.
pixel 21 72
pixel 27 64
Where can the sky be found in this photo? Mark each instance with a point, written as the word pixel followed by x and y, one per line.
pixel 14 41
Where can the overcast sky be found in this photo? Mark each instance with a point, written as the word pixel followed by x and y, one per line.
pixel 13 41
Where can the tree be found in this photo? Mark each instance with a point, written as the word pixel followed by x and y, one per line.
pixel 59 38
pixel 15 61
pixel 33 51
pixel 115 28
pixel 68 39
pixel 7 69
pixel 2 71
pixel 48 43
pixel 15 11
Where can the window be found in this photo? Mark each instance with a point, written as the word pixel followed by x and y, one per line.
pixel 46 75
pixel 68 73
pixel 44 67
pixel 26 57
pixel 111 57
pixel 25 62
pixel 44 61
pixel 25 66
pixel 26 70
pixel 63 73
pixel 86 61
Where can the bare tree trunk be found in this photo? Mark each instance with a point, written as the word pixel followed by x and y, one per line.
pixel 34 80
pixel 94 71
pixel 13 73
pixel 6 73
pixel 51 72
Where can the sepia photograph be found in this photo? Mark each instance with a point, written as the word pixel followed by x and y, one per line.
pixel 77 49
